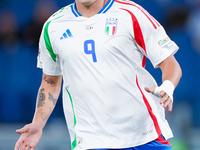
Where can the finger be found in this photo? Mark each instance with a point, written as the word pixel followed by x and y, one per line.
pixel 167 102
pixel 18 144
pixel 23 146
pixel 26 147
pixel 162 93
pixel 170 106
pixel 32 145
pixel 22 130
pixel 149 90
pixel 164 98
pixel 31 148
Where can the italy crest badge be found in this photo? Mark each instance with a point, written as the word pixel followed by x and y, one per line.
pixel 111 26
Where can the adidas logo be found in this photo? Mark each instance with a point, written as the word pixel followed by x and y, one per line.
pixel 66 34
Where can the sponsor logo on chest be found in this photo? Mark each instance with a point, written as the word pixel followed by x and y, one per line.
pixel 111 26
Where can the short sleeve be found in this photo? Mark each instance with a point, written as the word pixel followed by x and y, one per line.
pixel 47 59
pixel 151 37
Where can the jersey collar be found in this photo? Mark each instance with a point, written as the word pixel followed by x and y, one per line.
pixel 103 10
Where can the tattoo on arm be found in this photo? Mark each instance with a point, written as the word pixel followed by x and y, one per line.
pixel 51 98
pixel 41 98
pixel 45 115
pixel 49 80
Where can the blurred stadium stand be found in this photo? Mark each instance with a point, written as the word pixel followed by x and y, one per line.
pixel 20 26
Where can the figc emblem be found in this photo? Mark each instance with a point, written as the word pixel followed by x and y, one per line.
pixel 111 26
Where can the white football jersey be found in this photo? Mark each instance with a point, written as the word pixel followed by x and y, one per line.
pixel 102 60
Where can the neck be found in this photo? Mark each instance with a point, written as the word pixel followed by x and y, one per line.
pixel 91 8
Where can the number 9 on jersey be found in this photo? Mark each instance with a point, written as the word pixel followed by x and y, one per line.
pixel 89 48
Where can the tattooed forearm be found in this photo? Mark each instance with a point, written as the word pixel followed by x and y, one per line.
pixel 49 80
pixel 45 115
pixel 41 98
pixel 51 98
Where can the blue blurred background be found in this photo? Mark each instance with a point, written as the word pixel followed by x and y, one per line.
pixel 20 27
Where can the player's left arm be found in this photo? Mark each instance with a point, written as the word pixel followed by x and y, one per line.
pixel 171 74
pixel 154 43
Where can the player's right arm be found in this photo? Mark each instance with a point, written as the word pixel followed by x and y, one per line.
pixel 46 100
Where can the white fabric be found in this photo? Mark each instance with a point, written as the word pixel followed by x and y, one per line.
pixel 104 76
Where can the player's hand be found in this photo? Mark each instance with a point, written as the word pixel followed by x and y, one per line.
pixel 30 137
pixel 165 99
